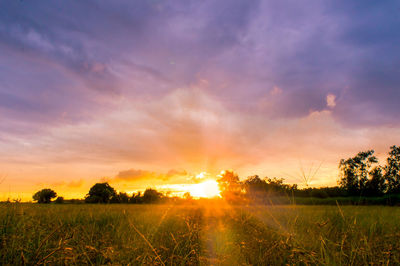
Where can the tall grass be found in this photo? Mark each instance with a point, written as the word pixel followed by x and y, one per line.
pixel 36 234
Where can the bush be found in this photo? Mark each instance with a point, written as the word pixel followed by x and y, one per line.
pixel 59 200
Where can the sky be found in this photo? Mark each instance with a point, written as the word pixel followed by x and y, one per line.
pixel 151 93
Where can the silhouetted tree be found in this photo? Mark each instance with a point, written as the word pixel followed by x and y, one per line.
pixel 44 195
pixel 354 172
pixel 376 185
pixel 230 186
pixel 255 182
pixel 151 196
pixel 100 193
pixel 121 197
pixel 256 188
pixel 392 170
pixel 136 198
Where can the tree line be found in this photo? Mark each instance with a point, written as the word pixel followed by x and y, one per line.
pixel 359 176
pixel 103 193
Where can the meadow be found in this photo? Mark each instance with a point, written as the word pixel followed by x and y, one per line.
pixel 198 234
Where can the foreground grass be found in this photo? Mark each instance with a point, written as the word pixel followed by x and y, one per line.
pixel 198 235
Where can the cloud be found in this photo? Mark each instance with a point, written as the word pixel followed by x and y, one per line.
pixel 174 172
pixel 136 175
pixel 276 91
pixel 76 184
pixel 340 48
pixel 330 100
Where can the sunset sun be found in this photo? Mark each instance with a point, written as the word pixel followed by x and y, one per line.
pixel 206 189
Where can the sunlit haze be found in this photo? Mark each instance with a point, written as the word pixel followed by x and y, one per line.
pixel 166 94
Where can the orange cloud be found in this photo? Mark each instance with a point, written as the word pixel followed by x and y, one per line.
pixel 135 175
pixel 76 184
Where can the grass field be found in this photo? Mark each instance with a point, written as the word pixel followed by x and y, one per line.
pixel 198 234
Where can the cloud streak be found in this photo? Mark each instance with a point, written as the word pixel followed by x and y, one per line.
pixel 135 175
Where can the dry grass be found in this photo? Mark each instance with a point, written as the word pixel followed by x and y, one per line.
pixel 190 235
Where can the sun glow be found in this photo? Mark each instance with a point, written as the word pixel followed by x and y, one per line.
pixel 206 189
pixel 202 185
